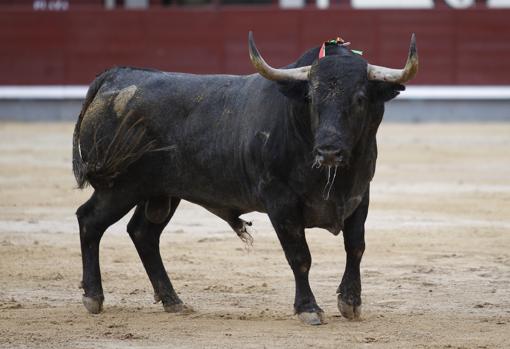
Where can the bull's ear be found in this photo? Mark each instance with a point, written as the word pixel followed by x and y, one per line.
pixel 384 91
pixel 294 89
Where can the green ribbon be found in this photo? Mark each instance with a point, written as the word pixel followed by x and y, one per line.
pixel 335 42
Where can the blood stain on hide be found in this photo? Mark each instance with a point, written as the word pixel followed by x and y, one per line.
pixel 122 99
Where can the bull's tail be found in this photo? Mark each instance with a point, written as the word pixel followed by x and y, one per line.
pixel 79 166
pixel 109 158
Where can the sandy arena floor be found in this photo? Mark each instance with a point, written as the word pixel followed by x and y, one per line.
pixel 436 272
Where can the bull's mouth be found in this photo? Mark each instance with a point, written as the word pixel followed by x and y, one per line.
pixel 331 161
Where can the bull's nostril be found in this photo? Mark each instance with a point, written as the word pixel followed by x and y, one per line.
pixel 329 153
pixel 325 154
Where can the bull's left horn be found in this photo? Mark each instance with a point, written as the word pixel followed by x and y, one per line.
pixel 271 73
pixel 400 76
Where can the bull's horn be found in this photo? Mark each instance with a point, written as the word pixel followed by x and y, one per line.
pixel 400 76
pixel 271 73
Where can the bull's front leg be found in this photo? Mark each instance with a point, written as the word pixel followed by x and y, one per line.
pixel 349 291
pixel 286 218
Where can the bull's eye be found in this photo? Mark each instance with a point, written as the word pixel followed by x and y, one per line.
pixel 359 102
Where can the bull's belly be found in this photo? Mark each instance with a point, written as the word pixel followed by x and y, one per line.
pixel 211 192
pixel 330 214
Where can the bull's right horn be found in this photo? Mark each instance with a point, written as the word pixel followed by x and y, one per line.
pixel 271 73
pixel 400 76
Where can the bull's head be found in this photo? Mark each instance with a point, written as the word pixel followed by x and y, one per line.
pixel 346 96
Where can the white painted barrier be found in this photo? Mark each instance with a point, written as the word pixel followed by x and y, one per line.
pixel 73 92
pixel 456 92
pixel 43 92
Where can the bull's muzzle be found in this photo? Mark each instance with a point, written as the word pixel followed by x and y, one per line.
pixel 333 158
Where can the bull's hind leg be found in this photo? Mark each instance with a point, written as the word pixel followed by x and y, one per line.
pixel 94 217
pixel 145 229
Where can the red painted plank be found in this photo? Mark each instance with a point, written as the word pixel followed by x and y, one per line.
pixel 44 47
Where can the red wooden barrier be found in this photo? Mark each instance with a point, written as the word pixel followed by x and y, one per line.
pixel 71 47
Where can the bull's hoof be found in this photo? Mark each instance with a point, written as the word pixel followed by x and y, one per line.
pixel 94 305
pixel 173 308
pixel 178 308
pixel 314 319
pixel 349 311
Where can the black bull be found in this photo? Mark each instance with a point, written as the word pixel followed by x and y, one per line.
pixel 297 143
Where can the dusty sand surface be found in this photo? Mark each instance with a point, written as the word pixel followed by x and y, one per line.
pixel 436 272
